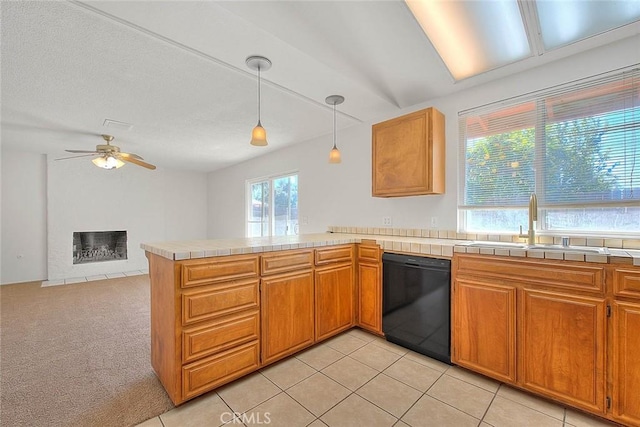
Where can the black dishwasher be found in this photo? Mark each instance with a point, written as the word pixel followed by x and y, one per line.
pixel 416 308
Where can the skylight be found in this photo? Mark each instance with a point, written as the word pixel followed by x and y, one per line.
pixel 567 21
pixel 473 37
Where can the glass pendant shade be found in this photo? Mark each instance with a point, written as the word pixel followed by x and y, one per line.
pixel 108 162
pixel 334 155
pixel 259 136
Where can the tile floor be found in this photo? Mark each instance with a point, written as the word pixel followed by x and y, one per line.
pixel 358 379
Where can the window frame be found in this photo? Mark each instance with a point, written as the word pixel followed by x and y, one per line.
pixel 539 127
pixel 271 213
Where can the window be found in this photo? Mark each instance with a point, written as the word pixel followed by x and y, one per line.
pixel 576 146
pixel 279 218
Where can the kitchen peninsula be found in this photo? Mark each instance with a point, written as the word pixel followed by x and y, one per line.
pixel 221 309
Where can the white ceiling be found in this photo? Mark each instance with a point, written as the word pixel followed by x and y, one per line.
pixel 176 71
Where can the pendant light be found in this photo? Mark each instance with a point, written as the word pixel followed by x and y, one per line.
pixel 259 63
pixel 334 154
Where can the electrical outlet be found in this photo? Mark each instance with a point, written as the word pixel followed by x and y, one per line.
pixel 386 220
pixel 434 221
pixel 305 220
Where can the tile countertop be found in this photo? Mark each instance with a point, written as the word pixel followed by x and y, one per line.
pixel 192 249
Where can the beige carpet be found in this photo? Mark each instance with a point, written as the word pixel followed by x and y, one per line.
pixel 77 355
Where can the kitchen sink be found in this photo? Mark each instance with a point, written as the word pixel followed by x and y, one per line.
pixel 575 249
pixel 496 245
pixel 509 245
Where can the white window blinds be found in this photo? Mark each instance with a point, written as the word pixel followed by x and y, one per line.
pixel 575 146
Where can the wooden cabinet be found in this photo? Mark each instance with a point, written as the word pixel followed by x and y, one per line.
pixel 562 347
pixel 558 348
pixel 626 361
pixel 205 330
pixel 625 375
pixel 484 321
pixel 287 304
pixel 408 155
pixel 216 319
pixel 369 288
pixel 334 291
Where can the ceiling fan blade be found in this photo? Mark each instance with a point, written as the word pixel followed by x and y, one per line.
pixel 135 156
pixel 135 161
pixel 75 157
pixel 81 151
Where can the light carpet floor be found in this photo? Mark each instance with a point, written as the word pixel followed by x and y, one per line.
pixel 77 355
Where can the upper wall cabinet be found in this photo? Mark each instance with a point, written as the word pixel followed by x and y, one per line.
pixel 409 155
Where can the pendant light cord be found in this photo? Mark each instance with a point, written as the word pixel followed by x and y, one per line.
pixel 334 125
pixel 259 95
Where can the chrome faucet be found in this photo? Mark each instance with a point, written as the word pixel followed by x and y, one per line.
pixel 533 216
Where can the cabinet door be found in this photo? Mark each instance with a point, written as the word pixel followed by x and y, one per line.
pixel 626 363
pixel 562 347
pixel 408 155
pixel 370 297
pixel 334 300
pixel 287 314
pixel 484 328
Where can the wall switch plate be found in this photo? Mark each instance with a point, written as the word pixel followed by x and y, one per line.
pixel 386 220
pixel 434 221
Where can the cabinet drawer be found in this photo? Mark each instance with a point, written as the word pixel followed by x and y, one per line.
pixel 626 282
pixel 219 369
pixel 218 269
pixel 334 254
pixel 561 274
pixel 281 262
pixel 218 300
pixel 225 333
pixel 369 253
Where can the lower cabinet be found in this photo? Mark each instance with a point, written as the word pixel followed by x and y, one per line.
pixel 626 362
pixel 562 347
pixel 484 321
pixel 334 300
pixel 541 325
pixel 287 302
pixel 369 288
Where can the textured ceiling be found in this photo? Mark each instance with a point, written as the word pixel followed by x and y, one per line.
pixel 176 71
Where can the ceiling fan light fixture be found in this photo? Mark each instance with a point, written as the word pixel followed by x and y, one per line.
pixel 108 162
pixel 334 154
pixel 258 63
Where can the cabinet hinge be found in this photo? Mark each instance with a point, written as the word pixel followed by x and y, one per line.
pixel 608 311
pixel 608 402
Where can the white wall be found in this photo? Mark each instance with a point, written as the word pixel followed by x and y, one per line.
pixel 150 205
pixel 341 194
pixel 24 216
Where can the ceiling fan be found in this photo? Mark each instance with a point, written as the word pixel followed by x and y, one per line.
pixel 110 156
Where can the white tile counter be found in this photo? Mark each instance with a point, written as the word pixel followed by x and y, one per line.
pixel 439 247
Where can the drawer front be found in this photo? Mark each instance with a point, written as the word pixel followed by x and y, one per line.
pixel 219 369
pixel 282 262
pixel 334 254
pixel 546 273
pixel 219 300
pixel 369 253
pixel 225 333
pixel 626 282
pixel 218 269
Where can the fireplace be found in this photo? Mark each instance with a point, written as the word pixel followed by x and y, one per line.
pixel 98 246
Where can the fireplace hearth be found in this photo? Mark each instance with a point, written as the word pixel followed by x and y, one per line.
pixel 98 246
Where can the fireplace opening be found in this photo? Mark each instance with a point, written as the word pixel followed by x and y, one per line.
pixel 98 246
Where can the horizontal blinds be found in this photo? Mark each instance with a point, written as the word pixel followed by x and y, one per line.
pixel 574 145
